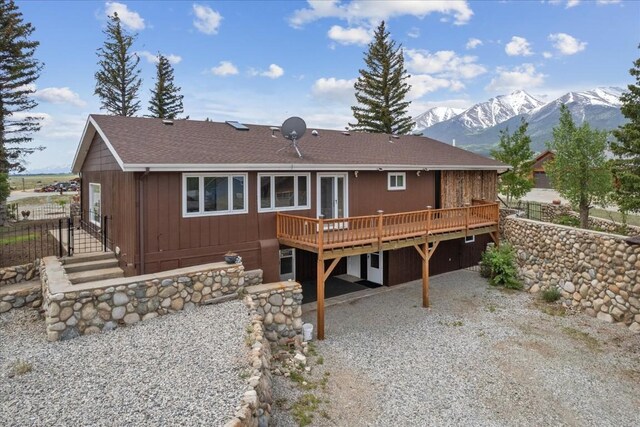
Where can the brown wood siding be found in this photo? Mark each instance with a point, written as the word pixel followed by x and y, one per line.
pixel 368 193
pixel 99 158
pixel 119 195
pixel 459 187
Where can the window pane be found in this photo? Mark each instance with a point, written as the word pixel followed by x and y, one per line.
pixel 392 181
pixel 216 193
pixel 193 194
pixel 238 193
pixel 284 191
pixel 340 197
pixel 286 265
pixel 302 191
pixel 400 181
pixel 265 192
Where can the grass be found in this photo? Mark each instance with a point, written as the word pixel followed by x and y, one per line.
pixel 303 409
pixel 592 343
pixel 44 199
pixel 319 360
pixel 553 310
pixel 17 238
pixel 19 367
pixel 33 181
pixel 616 216
pixel 551 294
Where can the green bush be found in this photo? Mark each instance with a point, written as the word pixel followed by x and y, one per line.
pixel 569 220
pixel 501 263
pixel 551 294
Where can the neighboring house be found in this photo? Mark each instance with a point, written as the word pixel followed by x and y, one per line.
pixel 540 178
pixel 184 192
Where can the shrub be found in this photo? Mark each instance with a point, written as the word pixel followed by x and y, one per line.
pixel 569 220
pixel 551 294
pixel 501 262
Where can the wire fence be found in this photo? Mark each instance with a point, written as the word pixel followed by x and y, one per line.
pixel 20 213
pixel 531 210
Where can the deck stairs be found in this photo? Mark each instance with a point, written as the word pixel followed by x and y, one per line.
pixel 92 267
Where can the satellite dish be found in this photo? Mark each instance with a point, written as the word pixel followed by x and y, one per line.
pixel 293 129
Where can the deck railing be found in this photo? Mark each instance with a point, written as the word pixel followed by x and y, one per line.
pixel 334 233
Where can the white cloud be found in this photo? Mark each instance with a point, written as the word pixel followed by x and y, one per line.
pixel 414 33
pixel 153 58
pixel 422 84
pixel 355 35
pixel 207 20
pixel 521 77
pixel 275 71
pixel 332 89
pixel 374 11
pixel 59 95
pixel 572 3
pixel 473 43
pixel 445 63
pixel 547 55
pixel 605 2
pixel 518 46
pixel 129 18
pixel 566 44
pixel 226 68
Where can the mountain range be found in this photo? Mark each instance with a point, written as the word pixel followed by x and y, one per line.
pixel 478 127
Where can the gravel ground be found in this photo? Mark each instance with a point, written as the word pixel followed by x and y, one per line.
pixel 480 356
pixel 182 369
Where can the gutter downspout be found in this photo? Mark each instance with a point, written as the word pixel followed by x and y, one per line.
pixel 141 219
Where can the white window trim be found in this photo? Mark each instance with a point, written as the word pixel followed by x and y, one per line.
pixel 99 222
pixel 346 191
pixel 297 207
pixel 201 211
pixel 397 188
pixel 470 239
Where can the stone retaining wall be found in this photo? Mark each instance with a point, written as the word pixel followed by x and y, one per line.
pixel 19 273
pixel 280 305
pixel 73 310
pixel 595 272
pixel 550 212
pixel 255 405
pixel 29 296
pixel 253 277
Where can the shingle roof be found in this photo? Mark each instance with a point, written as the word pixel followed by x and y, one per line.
pixel 149 142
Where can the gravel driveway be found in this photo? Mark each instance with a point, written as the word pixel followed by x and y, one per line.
pixel 181 369
pixel 480 357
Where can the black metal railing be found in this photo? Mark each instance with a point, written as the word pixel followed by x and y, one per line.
pixel 25 241
pixel 530 210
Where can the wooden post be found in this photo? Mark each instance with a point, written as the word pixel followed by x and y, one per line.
pixel 380 212
pixel 466 219
pixel 320 281
pixel 425 274
pixel 428 221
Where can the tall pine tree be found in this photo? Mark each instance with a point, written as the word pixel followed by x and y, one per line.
pixel 626 164
pixel 118 78
pixel 381 88
pixel 166 101
pixel 18 72
pixel 515 150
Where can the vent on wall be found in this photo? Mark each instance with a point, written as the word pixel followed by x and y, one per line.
pixel 236 125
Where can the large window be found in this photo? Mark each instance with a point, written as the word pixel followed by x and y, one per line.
pixel 95 203
pixel 283 192
pixel 214 194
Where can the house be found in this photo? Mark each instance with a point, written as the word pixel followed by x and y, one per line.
pixel 540 178
pixel 184 192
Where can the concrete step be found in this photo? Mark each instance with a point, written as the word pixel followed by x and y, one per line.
pixel 95 275
pixel 91 265
pixel 92 256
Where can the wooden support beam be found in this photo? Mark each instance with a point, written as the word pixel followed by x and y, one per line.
pixel 331 267
pixel 422 254
pixel 425 276
pixel 320 301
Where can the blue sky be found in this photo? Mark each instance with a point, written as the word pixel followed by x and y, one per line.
pixel 261 62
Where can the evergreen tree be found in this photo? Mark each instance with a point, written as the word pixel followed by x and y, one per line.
pixel 381 88
pixel 626 164
pixel 18 72
pixel 166 101
pixel 580 171
pixel 515 150
pixel 118 78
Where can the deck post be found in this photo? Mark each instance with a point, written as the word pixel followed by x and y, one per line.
pixel 466 219
pixel 425 274
pixel 320 281
pixel 380 213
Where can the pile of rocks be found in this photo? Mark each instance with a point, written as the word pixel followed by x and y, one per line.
pixel 280 305
pixel 595 272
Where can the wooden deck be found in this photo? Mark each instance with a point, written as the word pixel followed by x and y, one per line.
pixel 357 235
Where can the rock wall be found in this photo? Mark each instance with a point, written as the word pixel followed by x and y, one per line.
pixel 19 273
pixel 551 212
pixel 253 277
pixel 30 296
pixel 595 272
pixel 280 305
pixel 255 405
pixel 73 310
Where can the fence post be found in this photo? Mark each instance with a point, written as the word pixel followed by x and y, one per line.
pixel 60 238
pixel 69 236
pixel 105 230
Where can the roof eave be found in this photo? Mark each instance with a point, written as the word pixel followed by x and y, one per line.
pixel 142 167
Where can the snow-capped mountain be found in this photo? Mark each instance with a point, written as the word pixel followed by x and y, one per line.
pixel 497 110
pixel 435 115
pixel 478 128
